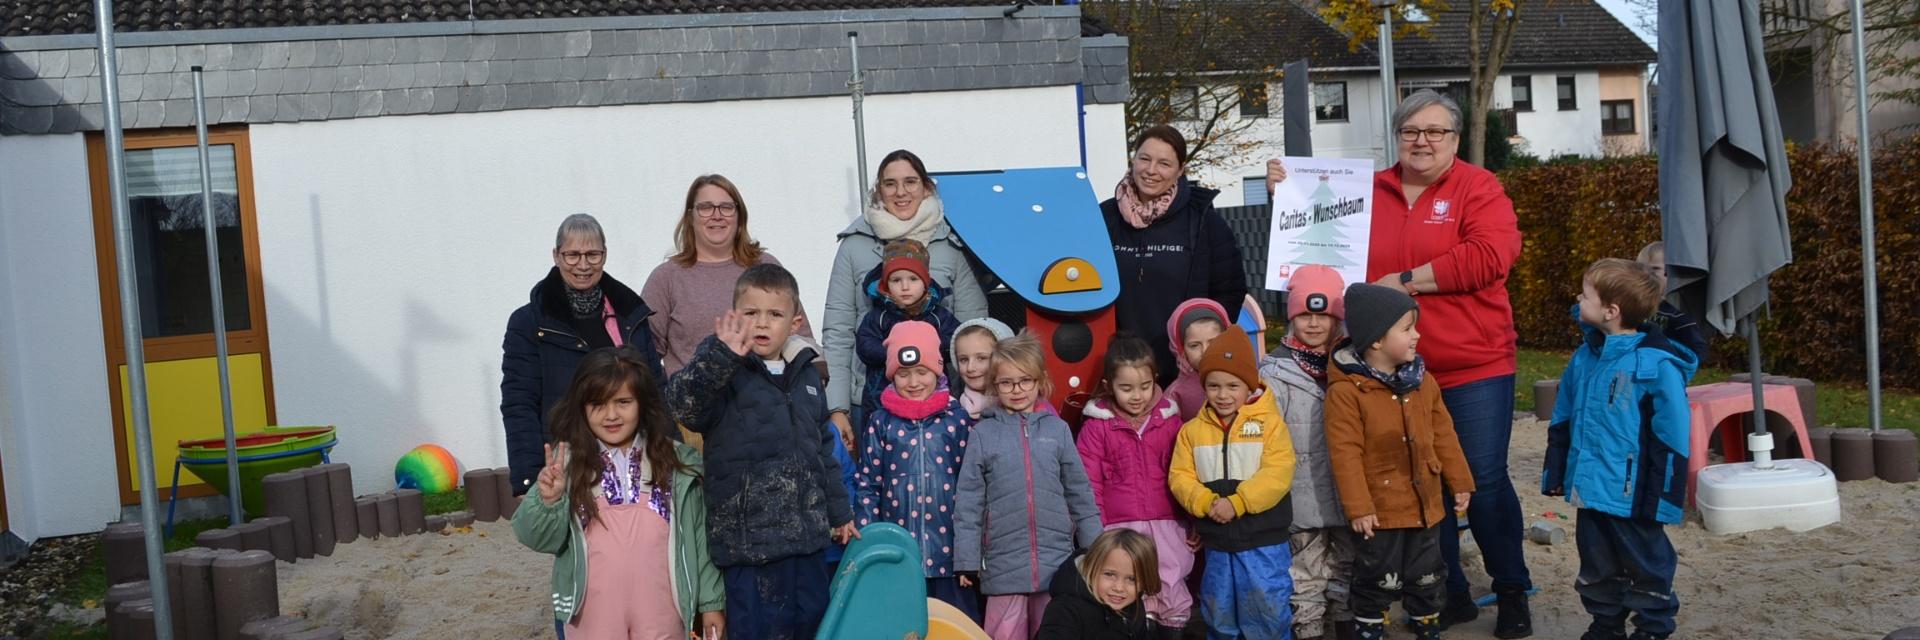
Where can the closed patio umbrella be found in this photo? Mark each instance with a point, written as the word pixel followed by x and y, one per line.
pixel 1723 168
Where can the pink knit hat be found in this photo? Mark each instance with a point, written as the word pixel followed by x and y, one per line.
pixel 913 343
pixel 1189 312
pixel 1316 288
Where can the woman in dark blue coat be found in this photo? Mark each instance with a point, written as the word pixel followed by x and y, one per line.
pixel 1168 244
pixel 575 309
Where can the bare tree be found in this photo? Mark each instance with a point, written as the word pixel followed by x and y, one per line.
pixel 1892 27
pixel 1192 66
pixel 1484 63
pixel 1491 25
pixel 1892 32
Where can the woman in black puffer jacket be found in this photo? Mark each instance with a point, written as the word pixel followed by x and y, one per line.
pixel 1096 593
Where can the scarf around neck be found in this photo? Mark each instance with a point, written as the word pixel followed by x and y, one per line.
pixel 1312 361
pixel 1403 380
pixel 1139 214
pixel 584 304
pixel 625 478
pixel 919 228
pixel 903 407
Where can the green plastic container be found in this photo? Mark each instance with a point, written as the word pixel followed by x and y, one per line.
pixel 272 450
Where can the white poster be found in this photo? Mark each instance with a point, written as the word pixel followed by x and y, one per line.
pixel 1322 214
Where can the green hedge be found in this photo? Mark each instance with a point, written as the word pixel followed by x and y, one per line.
pixel 1573 214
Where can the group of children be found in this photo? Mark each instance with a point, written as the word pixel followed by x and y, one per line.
pixel 1307 485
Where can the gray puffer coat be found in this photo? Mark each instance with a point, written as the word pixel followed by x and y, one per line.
pixel 1302 402
pixel 1024 502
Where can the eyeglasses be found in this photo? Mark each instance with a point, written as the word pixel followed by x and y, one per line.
pixel 592 257
pixel 904 186
pixel 1023 384
pixel 715 209
pixel 1433 135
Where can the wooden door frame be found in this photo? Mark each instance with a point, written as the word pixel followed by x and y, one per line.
pixel 251 340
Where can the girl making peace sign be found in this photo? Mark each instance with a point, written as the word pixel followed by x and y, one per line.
pixel 620 504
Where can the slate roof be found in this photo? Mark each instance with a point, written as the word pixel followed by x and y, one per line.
pixel 50 84
pixel 49 17
pixel 1254 34
pixel 1561 33
pixel 1239 34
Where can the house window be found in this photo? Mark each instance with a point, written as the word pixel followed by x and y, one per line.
pixel 1185 103
pixel 1523 93
pixel 1253 101
pixel 1616 116
pixel 1330 102
pixel 1253 189
pixel 170 245
pixel 1563 85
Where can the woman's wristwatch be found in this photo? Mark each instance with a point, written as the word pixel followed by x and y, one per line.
pixel 1406 282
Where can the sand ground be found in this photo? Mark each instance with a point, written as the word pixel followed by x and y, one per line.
pixel 1855 579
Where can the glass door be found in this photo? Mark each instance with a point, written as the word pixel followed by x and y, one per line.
pixel 176 308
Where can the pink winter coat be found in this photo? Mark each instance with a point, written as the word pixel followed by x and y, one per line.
pixel 1128 467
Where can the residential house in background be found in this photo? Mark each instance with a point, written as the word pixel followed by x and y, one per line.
pixel 1812 69
pixel 1574 84
pixel 389 175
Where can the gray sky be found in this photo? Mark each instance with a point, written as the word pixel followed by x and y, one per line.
pixel 1629 15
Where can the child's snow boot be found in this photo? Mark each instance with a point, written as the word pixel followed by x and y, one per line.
pixel 1426 627
pixel 1375 629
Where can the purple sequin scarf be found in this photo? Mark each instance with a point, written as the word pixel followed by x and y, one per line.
pixel 659 496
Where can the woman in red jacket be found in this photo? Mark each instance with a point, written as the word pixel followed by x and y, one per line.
pixel 1444 231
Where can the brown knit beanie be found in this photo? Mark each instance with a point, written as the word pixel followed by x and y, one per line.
pixel 1233 353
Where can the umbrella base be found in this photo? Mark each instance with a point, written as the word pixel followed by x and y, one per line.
pixel 1795 493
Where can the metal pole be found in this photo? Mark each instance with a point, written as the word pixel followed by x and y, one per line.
pixel 1389 91
pixel 1762 455
pixel 219 296
pixel 1869 270
pixel 130 318
pixel 858 85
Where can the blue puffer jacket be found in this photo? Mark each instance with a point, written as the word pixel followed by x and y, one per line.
pixel 540 352
pixel 1618 441
pixel 870 341
pixel 774 490
pixel 837 550
pixel 909 469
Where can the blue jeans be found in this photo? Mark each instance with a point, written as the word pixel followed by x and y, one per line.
pixel 1483 417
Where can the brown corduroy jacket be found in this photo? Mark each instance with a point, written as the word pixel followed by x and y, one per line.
pixel 1391 452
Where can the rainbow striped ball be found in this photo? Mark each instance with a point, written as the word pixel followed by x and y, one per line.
pixel 428 468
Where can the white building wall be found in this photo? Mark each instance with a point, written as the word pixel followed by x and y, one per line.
pixel 1361 135
pixel 393 249
pixel 1106 147
pixel 57 425
pixel 1241 154
pixel 1546 131
pixel 1358 136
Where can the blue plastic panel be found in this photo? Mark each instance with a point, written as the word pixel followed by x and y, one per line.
pixel 1022 221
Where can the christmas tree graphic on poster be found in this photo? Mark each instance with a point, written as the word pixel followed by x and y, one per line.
pixel 1321 215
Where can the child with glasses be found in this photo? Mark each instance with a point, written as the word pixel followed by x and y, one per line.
pixel 1024 502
